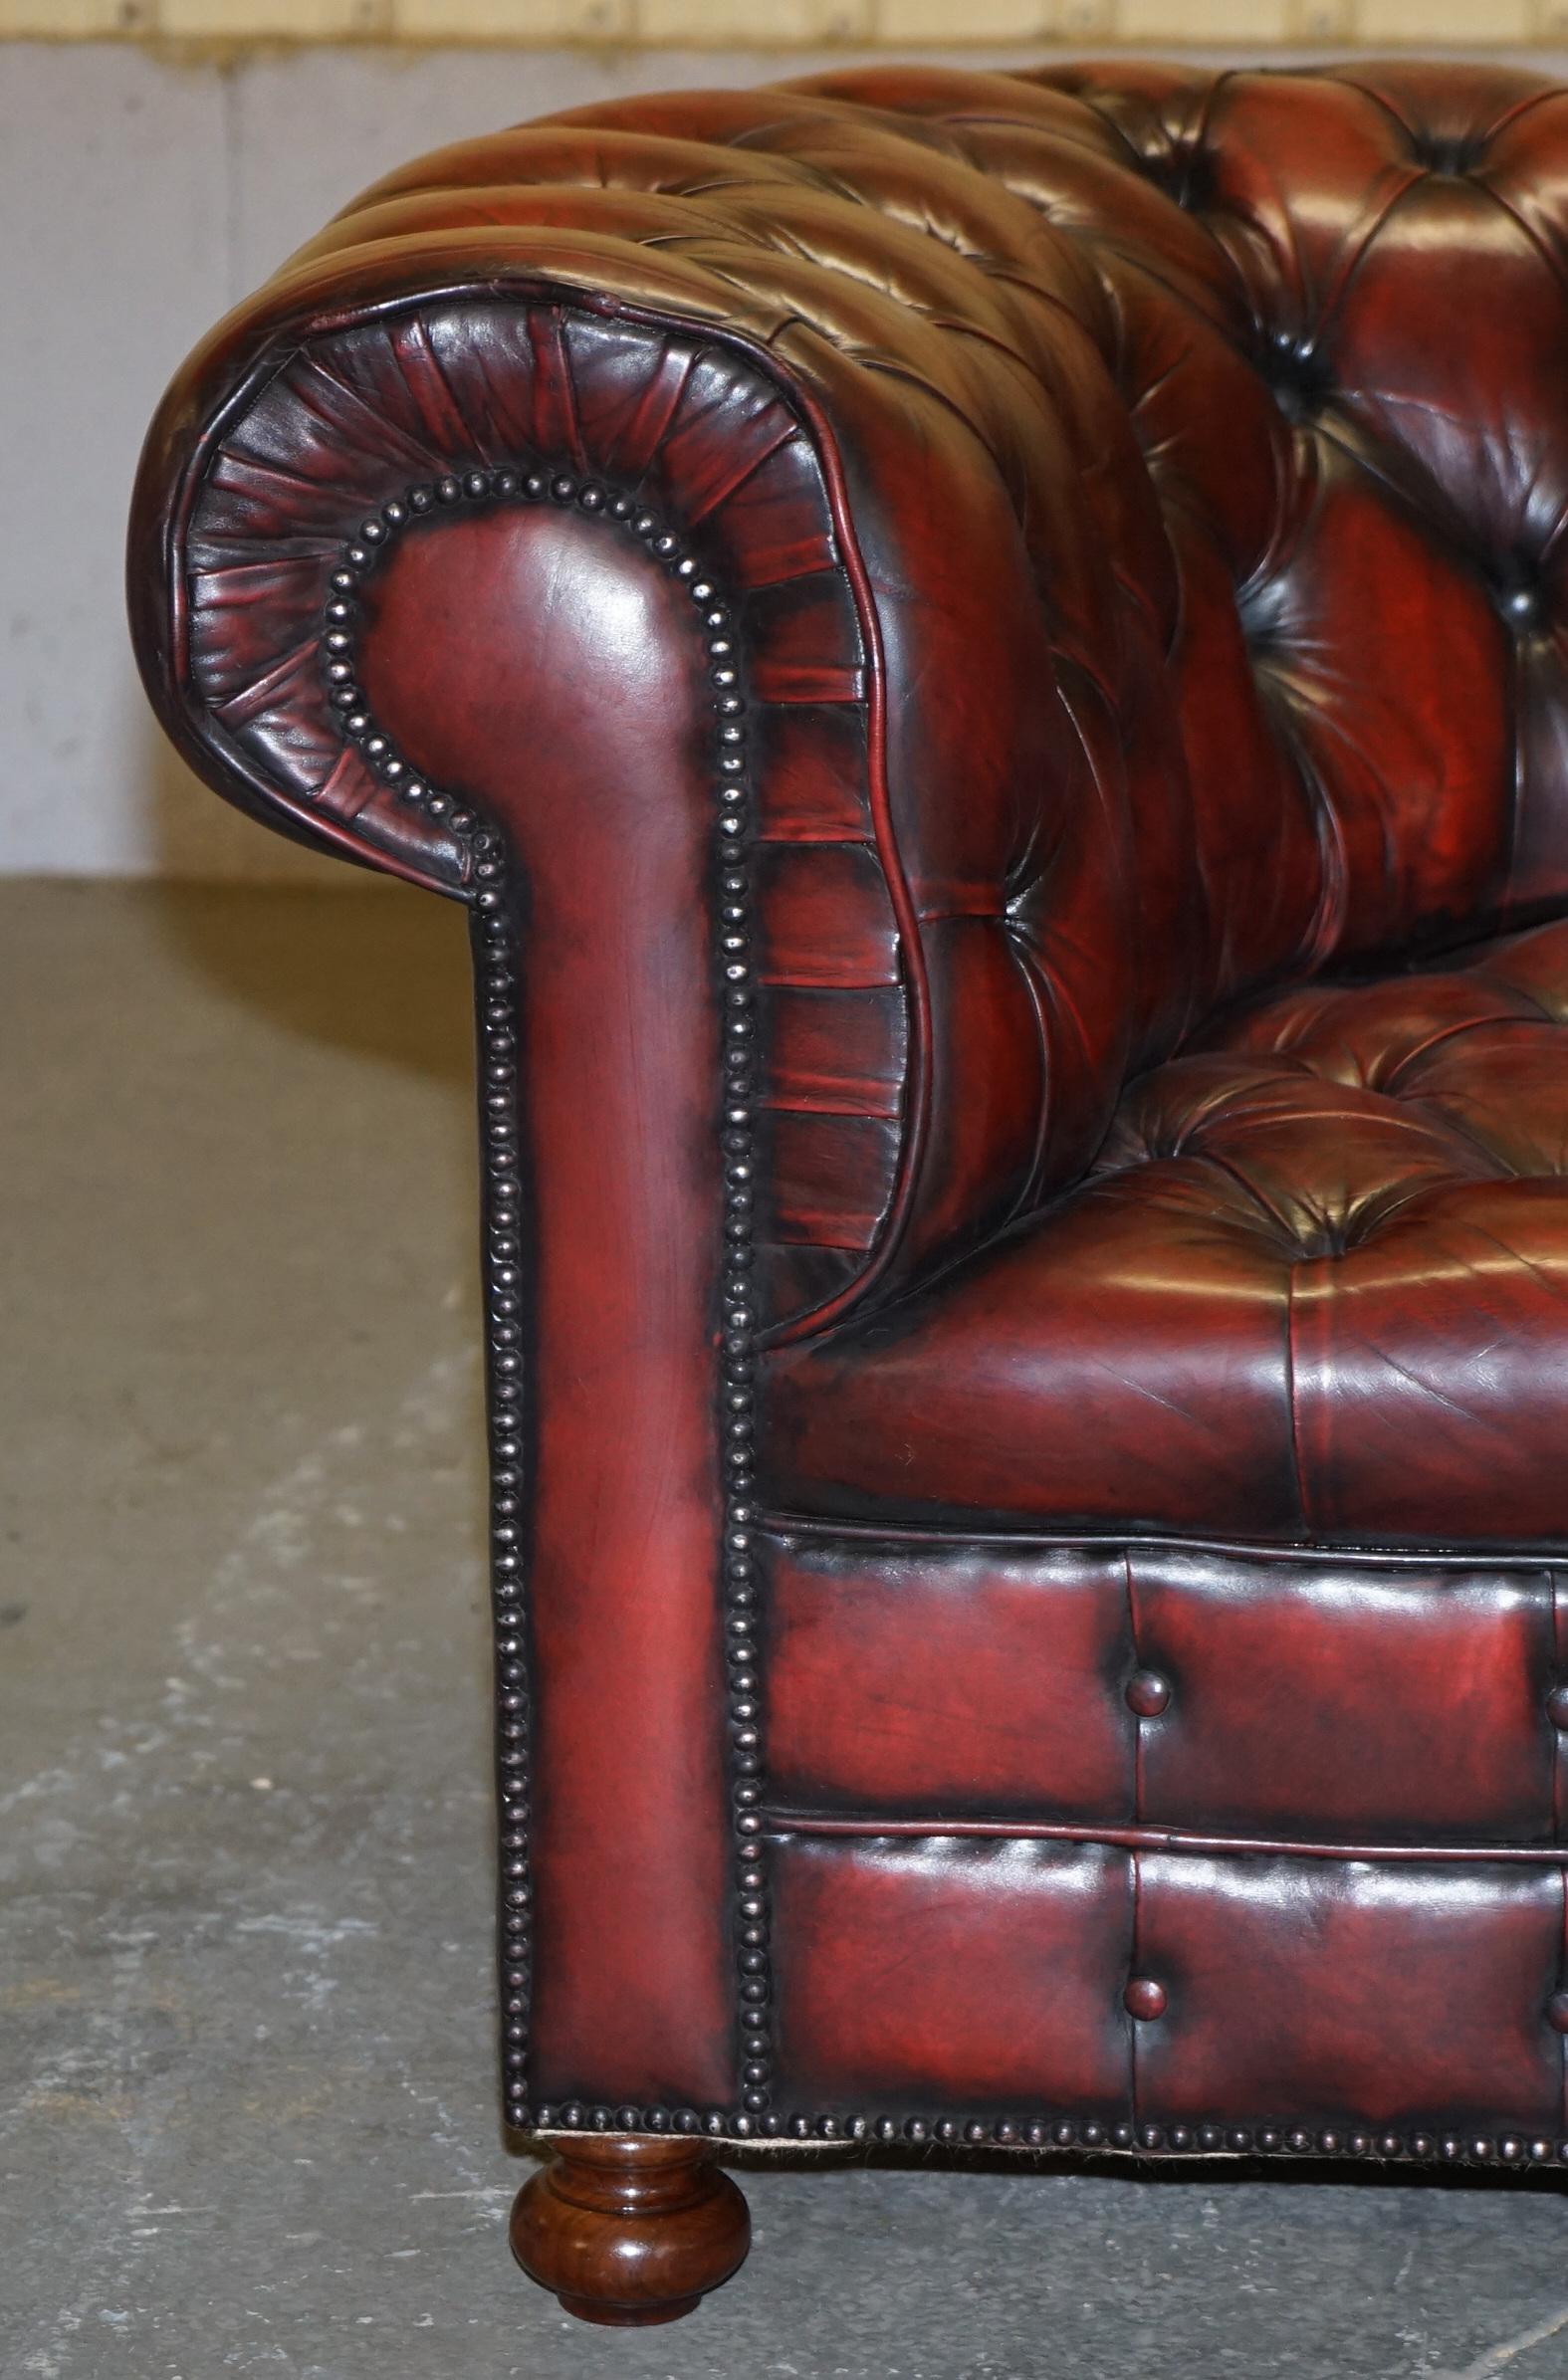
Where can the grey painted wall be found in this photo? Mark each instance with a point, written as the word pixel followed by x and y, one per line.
pixel 139 198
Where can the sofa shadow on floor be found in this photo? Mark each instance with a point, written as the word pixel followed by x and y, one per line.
pixel 246 2066
pixel 386 972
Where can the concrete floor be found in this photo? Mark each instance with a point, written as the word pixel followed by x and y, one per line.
pixel 246 2084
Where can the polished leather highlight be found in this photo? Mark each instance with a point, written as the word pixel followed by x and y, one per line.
pixel 992 1976
pixel 1129 1305
pixel 1315 1284
pixel 1294 1697
pixel 1151 428
pixel 615 1318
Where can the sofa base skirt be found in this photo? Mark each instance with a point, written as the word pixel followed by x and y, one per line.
pixel 1145 1847
pixel 993 1989
pixel 1170 1991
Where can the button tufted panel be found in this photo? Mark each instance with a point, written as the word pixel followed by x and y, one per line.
pixel 1119 1990
pixel 1154 1691
pixel 1315 1284
pixel 1203 612
pixel 988 653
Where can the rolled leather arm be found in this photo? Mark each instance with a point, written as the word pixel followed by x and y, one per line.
pixel 860 390
pixel 709 543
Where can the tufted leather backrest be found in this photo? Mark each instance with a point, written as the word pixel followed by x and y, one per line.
pixel 1200 445
pixel 1332 310
pixel 1357 437
pixel 1287 441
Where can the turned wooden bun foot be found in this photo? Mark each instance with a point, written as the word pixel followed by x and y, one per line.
pixel 630 2229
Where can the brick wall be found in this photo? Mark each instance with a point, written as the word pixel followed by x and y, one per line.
pixel 703 24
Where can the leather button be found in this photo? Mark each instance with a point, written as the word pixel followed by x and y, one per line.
pixel 1557 1706
pixel 1144 1999
pixel 1148 1693
pixel 1558 2012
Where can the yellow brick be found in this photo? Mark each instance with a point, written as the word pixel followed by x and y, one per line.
pixel 1428 21
pixel 269 20
pixel 761 24
pixel 966 20
pixel 1234 21
pixel 527 22
pixel 1322 21
pixel 71 20
pixel 1085 21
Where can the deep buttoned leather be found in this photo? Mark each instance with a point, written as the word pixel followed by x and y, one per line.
pixel 1121 512
pixel 1194 607
pixel 1316 1285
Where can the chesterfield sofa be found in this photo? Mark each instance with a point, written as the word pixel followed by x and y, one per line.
pixel 988 657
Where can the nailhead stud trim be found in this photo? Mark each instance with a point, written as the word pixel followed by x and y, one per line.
pixel 501 1141
pixel 494 986
pixel 1087 2136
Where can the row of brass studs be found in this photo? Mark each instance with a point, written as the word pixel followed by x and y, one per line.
pixel 1205 2140
pixel 737 1365
pixel 497 994
pixel 496 990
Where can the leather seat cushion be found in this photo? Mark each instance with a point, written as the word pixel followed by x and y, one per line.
pixel 1316 1285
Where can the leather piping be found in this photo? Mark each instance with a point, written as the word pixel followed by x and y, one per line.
pixel 1538 1555
pixel 1163 1838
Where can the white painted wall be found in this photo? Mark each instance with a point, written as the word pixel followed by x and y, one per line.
pixel 139 198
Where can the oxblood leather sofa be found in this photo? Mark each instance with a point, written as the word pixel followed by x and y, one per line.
pixel 988 655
